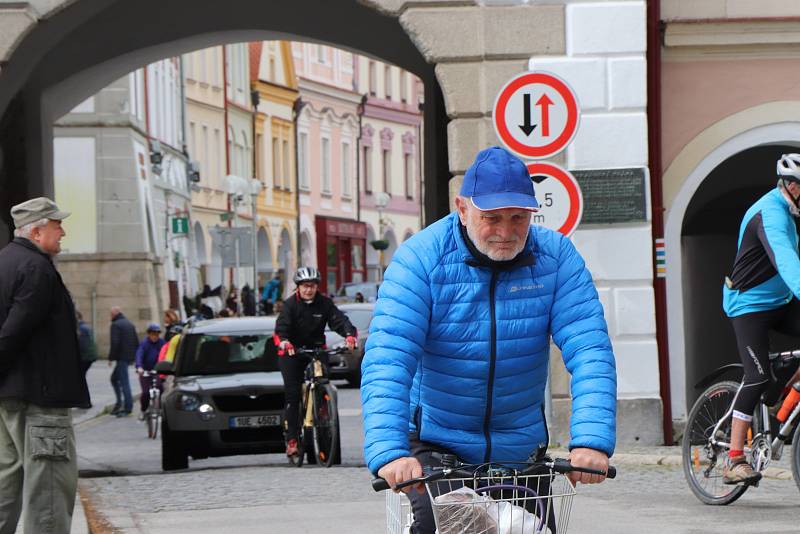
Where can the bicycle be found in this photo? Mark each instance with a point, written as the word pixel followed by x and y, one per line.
pixel 706 440
pixel 484 498
pixel 318 412
pixel 152 415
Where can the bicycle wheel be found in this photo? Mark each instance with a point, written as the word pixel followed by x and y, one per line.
pixel 297 460
pixel 153 416
pixel 703 462
pixel 796 455
pixel 326 425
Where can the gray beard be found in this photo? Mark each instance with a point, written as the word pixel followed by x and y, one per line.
pixel 484 248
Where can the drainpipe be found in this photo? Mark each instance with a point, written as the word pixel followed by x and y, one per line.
pixel 227 151
pixel 657 203
pixel 360 112
pixel 297 107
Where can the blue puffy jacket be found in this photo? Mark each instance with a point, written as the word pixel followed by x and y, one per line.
pixel 459 353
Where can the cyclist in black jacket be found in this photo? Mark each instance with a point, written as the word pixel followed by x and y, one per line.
pixel 301 323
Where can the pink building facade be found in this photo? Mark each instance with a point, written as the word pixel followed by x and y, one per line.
pixel 327 138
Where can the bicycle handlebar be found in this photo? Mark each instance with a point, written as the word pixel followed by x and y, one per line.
pixel 317 351
pixel 559 465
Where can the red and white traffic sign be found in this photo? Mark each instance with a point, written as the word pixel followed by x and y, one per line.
pixel 559 196
pixel 536 114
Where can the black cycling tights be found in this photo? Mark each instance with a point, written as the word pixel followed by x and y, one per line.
pixel 752 338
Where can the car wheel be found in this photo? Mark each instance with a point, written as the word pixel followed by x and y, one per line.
pixel 173 449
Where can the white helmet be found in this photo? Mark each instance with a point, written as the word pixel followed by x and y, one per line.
pixel 789 167
pixel 306 274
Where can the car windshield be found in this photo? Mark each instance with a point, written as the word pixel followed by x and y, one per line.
pixel 204 354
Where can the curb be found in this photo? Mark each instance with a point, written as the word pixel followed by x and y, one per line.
pixel 777 473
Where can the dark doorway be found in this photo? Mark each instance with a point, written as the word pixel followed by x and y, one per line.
pixel 708 247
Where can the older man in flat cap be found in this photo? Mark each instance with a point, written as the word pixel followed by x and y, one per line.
pixel 40 376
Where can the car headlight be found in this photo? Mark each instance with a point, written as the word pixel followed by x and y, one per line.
pixel 206 412
pixel 188 402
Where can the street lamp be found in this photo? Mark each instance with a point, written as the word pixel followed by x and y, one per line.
pixel 255 189
pixel 238 187
pixel 381 202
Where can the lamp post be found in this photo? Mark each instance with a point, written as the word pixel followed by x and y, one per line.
pixel 381 202
pixel 255 189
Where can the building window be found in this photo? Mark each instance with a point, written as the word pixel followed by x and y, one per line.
pixel 404 86
pixel 272 76
pixel 408 175
pixel 346 190
pixel 373 78
pixel 217 152
pixel 276 163
pixel 326 165
pixel 302 163
pixel 387 82
pixel 192 140
pixel 367 158
pixel 287 167
pixel 387 171
pixel 206 152
pixel 321 54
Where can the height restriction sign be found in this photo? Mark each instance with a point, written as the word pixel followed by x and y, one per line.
pixel 536 115
pixel 559 196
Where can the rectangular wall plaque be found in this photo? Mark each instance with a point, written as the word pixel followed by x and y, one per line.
pixel 613 195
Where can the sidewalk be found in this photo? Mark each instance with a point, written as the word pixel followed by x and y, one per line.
pixel 99 380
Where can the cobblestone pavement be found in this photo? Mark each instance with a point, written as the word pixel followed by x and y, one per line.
pixel 262 493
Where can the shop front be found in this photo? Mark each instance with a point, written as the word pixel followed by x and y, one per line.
pixel 341 248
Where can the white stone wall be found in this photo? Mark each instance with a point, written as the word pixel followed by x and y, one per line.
pixel 605 65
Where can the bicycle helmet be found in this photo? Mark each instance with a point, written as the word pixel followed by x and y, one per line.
pixel 789 167
pixel 154 327
pixel 307 274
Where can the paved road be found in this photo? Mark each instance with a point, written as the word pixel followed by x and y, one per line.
pixel 256 494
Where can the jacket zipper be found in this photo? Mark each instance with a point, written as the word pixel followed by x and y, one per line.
pixel 492 359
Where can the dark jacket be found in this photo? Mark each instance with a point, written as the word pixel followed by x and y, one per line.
pixel 39 352
pixel 147 353
pixel 124 340
pixel 86 343
pixel 304 324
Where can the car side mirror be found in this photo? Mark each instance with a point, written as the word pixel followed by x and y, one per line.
pixel 165 368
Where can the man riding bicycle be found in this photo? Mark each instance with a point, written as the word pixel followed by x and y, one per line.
pixel 458 352
pixel 761 294
pixel 301 323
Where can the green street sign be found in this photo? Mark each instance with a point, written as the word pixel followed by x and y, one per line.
pixel 180 225
pixel 227 216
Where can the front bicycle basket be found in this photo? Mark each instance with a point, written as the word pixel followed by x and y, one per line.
pixel 509 504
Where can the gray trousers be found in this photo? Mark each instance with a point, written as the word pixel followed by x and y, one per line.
pixel 38 468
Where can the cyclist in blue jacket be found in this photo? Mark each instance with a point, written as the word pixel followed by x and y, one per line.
pixel 760 295
pixel 458 352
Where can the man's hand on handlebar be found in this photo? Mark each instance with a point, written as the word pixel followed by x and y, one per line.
pixel 589 458
pixel 287 347
pixel 352 342
pixel 400 470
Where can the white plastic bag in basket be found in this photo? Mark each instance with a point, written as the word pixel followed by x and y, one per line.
pixel 512 519
pixel 463 510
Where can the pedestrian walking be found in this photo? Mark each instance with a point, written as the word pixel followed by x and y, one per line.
pixel 86 343
pixel 248 301
pixel 172 324
pixel 146 360
pixel 40 376
pixel 124 343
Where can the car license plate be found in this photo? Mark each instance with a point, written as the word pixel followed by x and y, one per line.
pixel 255 421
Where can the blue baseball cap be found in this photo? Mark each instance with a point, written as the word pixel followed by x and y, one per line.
pixel 498 179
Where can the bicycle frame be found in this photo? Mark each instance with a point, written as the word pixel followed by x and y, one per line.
pixel 776 444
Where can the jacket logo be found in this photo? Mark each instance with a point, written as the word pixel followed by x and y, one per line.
pixel 317 316
pixel 514 289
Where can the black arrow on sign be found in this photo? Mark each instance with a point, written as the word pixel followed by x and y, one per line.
pixel 527 127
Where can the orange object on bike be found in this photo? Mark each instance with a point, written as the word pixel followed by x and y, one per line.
pixel 789 402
